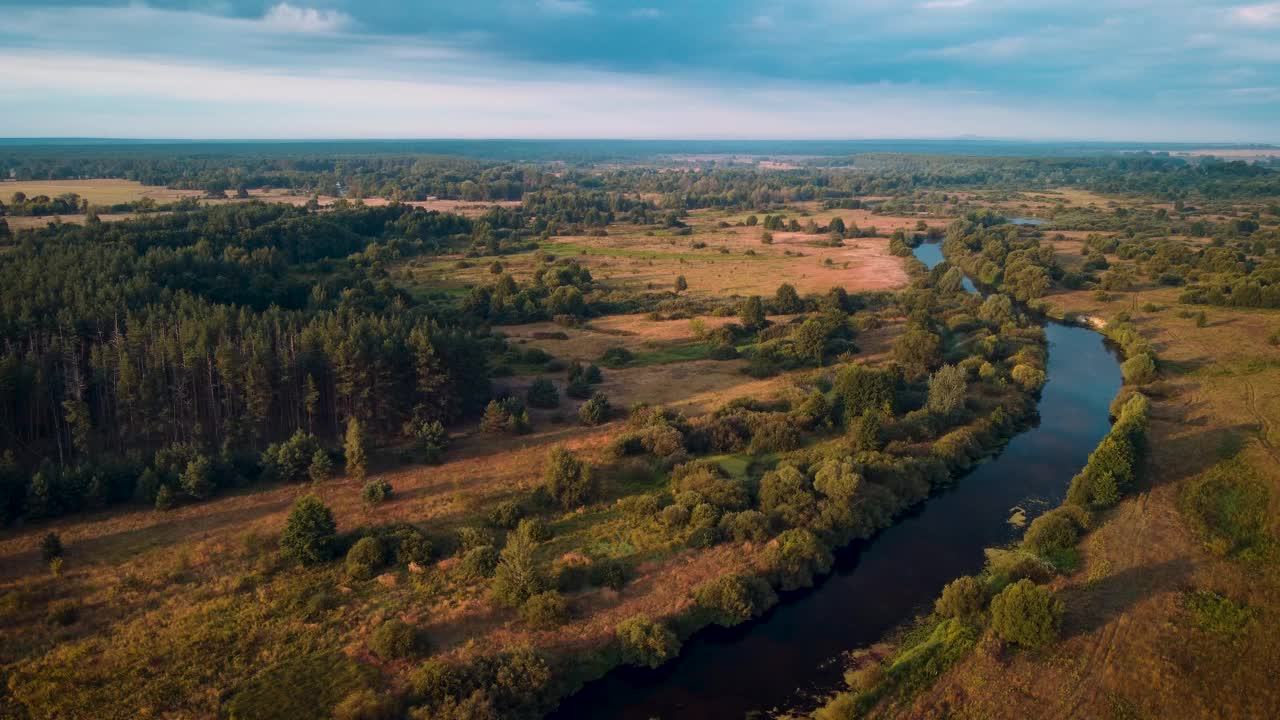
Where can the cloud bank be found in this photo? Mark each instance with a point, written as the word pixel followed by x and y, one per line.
pixel 1124 69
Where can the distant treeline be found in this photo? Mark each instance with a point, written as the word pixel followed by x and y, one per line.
pixel 684 182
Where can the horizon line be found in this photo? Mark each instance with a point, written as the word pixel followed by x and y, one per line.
pixel 1260 144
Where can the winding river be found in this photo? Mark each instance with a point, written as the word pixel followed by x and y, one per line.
pixel 792 652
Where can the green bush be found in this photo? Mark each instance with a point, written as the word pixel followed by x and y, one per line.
pixel 752 311
pixel 838 480
pixel 733 599
pixel 543 394
pixel 646 643
pixel 1099 491
pixel 1026 614
pixel 795 557
pixel 1139 369
pixel 616 357
pixel 473 537
pixel 536 529
pixel 410 545
pixel 435 681
pixel 545 610
pixel 395 639
pixel 640 507
pixel 947 389
pixel 709 480
pixel 375 491
pixel 958 448
pixel 478 563
pixel 1029 377
pixel 567 479
pixel 774 433
pixel 595 411
pixel 864 679
pixel 309 532
pixel 608 573
pixel 506 514
pixel 1117 458
pixel 674 516
pixel 785 494
pixel 964 598
pixel 520 680
pixel 366 705
pixel 1217 614
pixel 866 432
pixel 290 461
pixel 703 537
pixel 745 526
pixel 1228 506
pixel 364 558
pixel 1055 530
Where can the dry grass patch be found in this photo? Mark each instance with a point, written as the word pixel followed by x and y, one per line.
pixel 97 192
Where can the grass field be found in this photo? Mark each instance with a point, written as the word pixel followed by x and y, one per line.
pixel 97 192
pixel 715 261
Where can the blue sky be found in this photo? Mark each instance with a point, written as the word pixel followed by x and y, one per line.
pixel 1055 69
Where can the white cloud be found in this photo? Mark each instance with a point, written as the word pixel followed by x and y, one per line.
pixel 1265 15
pixel 985 50
pixel 566 7
pixel 290 18
pixel 211 101
pixel 945 4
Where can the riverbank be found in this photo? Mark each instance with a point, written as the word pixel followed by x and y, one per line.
pixel 720 672
pixel 1165 616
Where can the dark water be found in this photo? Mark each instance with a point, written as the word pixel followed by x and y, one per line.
pixel 779 659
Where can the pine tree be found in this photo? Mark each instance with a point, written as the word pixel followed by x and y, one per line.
pixel 321 468
pixel 197 478
pixel 357 460
pixel 311 402
pixel 309 532
pixel 752 314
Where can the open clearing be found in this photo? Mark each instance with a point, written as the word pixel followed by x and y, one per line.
pixel 716 261
pixel 97 192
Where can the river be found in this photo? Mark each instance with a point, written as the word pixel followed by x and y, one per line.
pixel 792 652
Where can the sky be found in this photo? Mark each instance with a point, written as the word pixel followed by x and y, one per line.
pixel 1136 70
